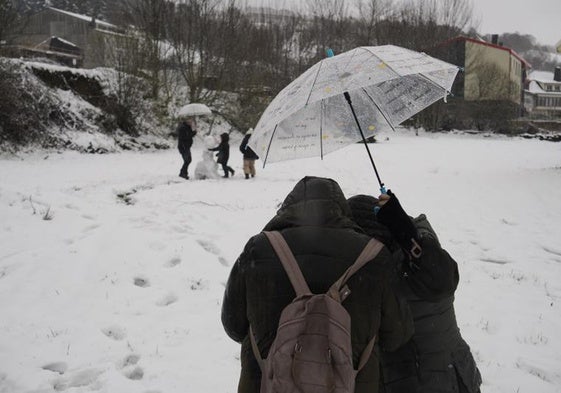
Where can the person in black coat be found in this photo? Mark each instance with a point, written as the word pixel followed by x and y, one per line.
pixel 249 156
pixel 436 359
pixel 186 130
pixel 316 222
pixel 223 154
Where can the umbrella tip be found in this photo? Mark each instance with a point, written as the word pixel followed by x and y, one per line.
pixel 329 52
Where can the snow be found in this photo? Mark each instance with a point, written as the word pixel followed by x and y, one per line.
pixel 112 268
pixel 84 17
pixel 534 87
pixel 64 41
pixel 542 77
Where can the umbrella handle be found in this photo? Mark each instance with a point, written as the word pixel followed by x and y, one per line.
pixel 382 191
pixel 348 98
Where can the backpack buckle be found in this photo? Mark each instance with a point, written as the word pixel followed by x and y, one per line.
pixel 416 249
pixel 344 292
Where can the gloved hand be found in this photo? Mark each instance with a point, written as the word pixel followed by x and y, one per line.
pixel 392 215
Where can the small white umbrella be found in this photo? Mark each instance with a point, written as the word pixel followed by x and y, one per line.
pixel 194 109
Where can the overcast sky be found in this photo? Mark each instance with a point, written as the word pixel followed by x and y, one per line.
pixel 540 18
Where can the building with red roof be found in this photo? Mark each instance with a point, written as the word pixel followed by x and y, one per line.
pixel 491 71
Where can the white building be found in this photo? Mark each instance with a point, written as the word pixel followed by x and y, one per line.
pixel 543 96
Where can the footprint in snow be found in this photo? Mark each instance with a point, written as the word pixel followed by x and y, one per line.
pixel 213 249
pixel 84 378
pixel 173 262
pixel 135 374
pixel 130 369
pixel 209 246
pixel 552 251
pixel 141 282
pixel 199 284
pixel 91 227
pixel 130 360
pixel 496 261
pixel 115 332
pixel 56 367
pixel 167 300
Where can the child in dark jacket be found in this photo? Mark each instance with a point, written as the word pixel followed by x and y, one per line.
pixel 223 154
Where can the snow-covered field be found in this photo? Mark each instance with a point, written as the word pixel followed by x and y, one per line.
pixel 112 268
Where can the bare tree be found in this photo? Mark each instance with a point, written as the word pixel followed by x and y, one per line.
pixel 13 17
pixel 193 37
pixel 150 19
pixel 370 14
pixel 329 27
pixel 420 24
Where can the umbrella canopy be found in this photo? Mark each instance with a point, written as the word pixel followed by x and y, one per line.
pixel 194 109
pixel 312 117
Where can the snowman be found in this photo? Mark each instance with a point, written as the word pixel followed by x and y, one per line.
pixel 207 168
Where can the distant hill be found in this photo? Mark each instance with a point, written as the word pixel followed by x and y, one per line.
pixel 541 57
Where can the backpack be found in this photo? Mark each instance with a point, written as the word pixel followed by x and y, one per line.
pixel 312 351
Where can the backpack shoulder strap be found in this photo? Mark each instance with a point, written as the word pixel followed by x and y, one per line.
pixel 288 262
pixel 290 265
pixel 369 252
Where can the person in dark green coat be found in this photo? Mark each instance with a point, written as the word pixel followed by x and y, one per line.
pixel 316 222
pixel 436 359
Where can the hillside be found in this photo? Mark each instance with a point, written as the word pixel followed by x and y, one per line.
pixel 89 110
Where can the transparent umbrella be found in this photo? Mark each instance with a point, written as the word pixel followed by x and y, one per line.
pixel 347 98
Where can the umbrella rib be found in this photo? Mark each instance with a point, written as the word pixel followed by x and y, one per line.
pixel 385 62
pixel 351 59
pixel 380 109
pixel 312 86
pixel 269 147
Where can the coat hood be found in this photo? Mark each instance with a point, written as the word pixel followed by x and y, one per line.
pixel 362 211
pixel 314 201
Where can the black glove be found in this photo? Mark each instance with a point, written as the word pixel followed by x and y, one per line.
pixel 392 215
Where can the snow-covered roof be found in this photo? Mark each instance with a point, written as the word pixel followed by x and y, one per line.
pixel 534 87
pixel 542 77
pixel 63 41
pixel 84 17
